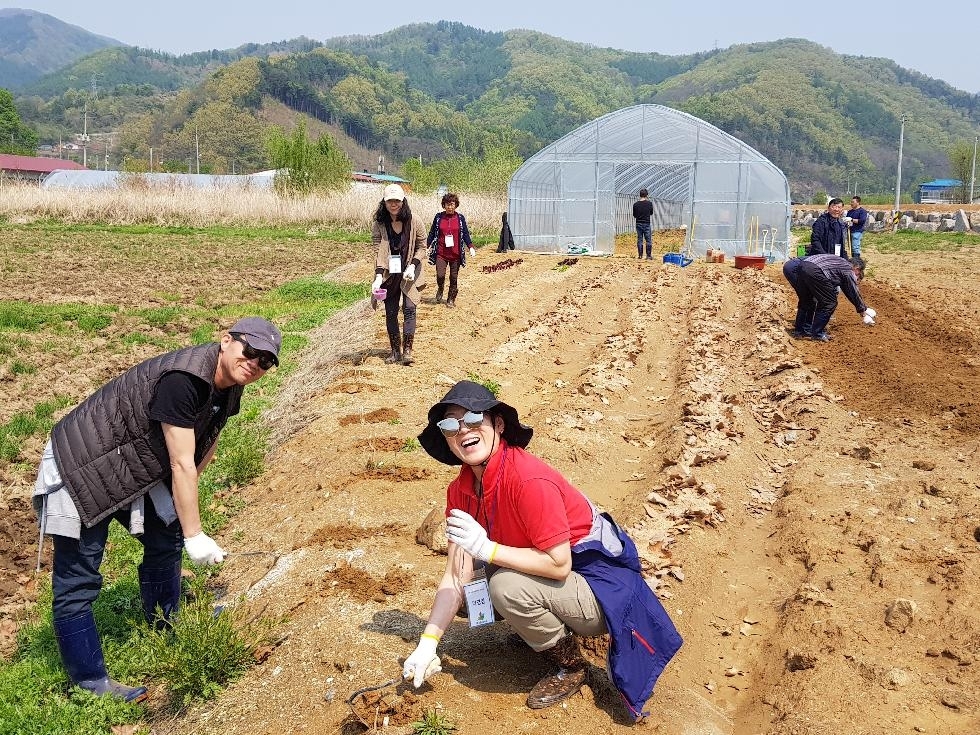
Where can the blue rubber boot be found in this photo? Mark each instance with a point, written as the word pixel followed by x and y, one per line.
pixel 81 653
pixel 160 593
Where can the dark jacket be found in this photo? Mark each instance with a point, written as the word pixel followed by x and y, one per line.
pixel 109 451
pixel 859 218
pixel 642 637
pixel 505 241
pixel 433 240
pixel 835 272
pixel 827 231
pixel 642 211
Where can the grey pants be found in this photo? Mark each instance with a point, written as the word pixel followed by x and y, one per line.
pixel 542 611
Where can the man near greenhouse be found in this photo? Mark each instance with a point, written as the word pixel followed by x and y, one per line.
pixel 149 432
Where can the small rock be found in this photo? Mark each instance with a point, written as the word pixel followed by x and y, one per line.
pixel 924 464
pixel 897 678
pixel 900 614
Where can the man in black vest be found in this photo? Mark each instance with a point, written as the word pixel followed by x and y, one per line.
pixel 148 433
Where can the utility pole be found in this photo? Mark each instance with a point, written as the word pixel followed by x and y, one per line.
pixel 973 168
pixel 85 139
pixel 197 149
pixel 898 179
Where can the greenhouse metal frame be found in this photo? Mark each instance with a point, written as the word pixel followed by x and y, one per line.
pixel 576 194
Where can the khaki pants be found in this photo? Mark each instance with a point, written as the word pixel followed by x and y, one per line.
pixel 542 610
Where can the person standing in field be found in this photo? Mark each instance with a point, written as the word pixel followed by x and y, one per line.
pixel 449 239
pixel 400 241
pixel 642 212
pixel 858 216
pixel 147 434
pixel 828 235
pixel 527 546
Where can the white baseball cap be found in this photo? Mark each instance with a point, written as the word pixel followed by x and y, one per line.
pixel 394 191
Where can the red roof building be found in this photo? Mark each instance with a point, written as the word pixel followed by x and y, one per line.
pixel 33 168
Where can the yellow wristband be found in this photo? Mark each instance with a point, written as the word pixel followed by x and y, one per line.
pixel 429 635
pixel 493 553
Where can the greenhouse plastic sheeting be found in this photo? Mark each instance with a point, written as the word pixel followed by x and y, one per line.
pixel 576 195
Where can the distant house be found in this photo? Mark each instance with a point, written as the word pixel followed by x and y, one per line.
pixel 33 168
pixel 365 177
pixel 940 191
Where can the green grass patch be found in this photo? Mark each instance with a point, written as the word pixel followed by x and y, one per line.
pixel 28 423
pixel 910 241
pixel 22 316
pixel 19 367
pixel 491 385
pixel 203 653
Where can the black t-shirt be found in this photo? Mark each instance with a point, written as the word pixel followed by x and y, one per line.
pixel 181 397
pixel 642 210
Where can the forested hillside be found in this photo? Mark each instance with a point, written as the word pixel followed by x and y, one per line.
pixel 33 44
pixel 439 89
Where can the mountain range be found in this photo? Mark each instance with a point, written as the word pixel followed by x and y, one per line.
pixel 830 121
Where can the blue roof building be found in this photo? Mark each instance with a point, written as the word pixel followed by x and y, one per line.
pixel 940 191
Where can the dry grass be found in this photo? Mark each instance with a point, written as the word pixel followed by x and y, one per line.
pixel 175 206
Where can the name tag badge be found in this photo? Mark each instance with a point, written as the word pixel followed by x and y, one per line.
pixel 394 264
pixel 450 242
pixel 836 249
pixel 478 602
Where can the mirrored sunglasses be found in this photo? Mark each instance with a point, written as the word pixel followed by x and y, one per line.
pixel 450 427
pixel 266 359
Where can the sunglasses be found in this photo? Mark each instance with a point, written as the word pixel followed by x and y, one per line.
pixel 451 427
pixel 266 359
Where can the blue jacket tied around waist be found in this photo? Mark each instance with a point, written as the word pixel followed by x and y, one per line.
pixel 642 637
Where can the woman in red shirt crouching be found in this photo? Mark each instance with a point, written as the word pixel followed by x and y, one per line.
pixel 528 547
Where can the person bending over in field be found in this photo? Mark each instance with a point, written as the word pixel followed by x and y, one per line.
pixel 818 281
pixel 133 451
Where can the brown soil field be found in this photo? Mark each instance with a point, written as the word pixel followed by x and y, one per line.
pixel 808 512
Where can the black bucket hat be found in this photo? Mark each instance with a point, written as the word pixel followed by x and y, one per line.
pixel 473 397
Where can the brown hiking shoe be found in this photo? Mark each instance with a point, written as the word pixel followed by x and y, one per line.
pixel 569 678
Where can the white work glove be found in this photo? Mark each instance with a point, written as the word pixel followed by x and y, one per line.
pixel 202 549
pixel 410 272
pixel 423 662
pixel 868 319
pixel 870 312
pixel 463 530
pixel 472 252
pixel 377 283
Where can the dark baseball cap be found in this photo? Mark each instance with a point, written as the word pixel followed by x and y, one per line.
pixel 262 334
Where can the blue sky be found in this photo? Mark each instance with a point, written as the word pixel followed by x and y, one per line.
pixel 941 45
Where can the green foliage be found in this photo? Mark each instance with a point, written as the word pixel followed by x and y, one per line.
pixel 15 137
pixel 433 722
pixel 203 651
pixel 490 385
pixel 304 166
pixel 912 241
pixel 819 197
pixel 26 424
pixel 27 317
pixel 424 179
pixel 411 445
pixel 961 155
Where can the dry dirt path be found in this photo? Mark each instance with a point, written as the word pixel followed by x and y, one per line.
pixel 779 508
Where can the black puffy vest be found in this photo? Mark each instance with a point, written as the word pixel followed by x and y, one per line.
pixel 110 452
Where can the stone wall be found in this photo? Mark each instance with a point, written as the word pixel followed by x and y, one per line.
pixel 921 219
